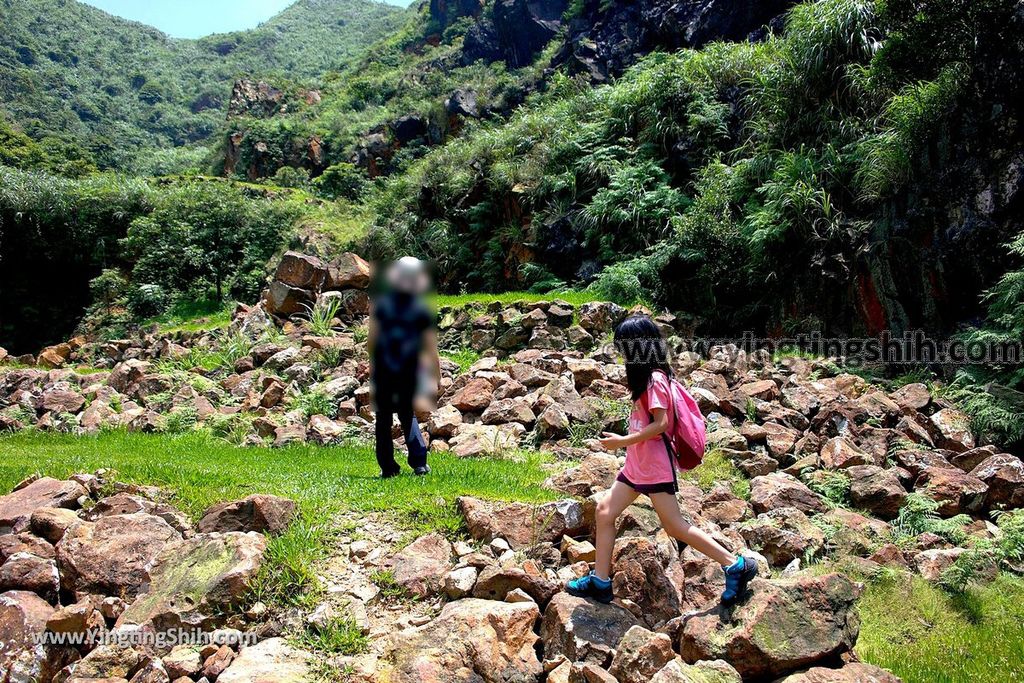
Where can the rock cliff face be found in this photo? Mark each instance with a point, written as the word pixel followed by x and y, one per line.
pixel 606 37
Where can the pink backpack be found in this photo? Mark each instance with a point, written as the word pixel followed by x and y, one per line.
pixel 686 437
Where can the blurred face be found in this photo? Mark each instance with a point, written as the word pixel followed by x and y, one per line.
pixel 409 276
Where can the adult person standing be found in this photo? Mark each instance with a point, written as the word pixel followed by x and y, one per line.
pixel 405 364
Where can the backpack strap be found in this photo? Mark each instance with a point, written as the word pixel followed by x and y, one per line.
pixel 668 449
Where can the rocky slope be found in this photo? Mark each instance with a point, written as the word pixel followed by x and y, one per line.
pixel 826 466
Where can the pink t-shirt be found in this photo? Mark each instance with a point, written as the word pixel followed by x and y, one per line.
pixel 648 462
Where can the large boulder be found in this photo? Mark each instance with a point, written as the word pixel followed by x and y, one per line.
pixel 783 535
pixel 496 583
pixel 301 271
pixel 877 490
pixel 778 490
pixel 853 672
pixel 259 512
pixel 641 654
pixel 583 630
pixel 348 271
pixel 421 566
pixel 109 556
pixel 1004 475
pixel 25 571
pixel 192 579
pixel 470 641
pixel 595 473
pixel 16 508
pixel 521 524
pixel 786 625
pixel 474 440
pixel 954 490
pixel 954 428
pixel 678 671
pixel 270 661
pixel 23 617
pixel 640 574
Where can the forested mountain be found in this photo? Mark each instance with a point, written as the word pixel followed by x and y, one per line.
pixel 90 86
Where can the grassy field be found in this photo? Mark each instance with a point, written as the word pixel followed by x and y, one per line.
pixel 926 635
pixel 199 470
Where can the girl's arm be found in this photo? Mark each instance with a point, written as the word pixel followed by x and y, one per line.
pixel 657 427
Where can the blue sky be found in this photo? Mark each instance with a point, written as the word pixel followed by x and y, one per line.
pixel 196 18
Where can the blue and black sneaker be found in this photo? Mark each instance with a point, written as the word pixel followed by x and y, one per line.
pixel 590 586
pixel 737 576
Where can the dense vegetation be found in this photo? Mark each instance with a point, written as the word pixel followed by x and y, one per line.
pixel 132 248
pixel 750 183
pixel 125 96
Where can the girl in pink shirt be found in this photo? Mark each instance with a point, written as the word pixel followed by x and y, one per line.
pixel 650 468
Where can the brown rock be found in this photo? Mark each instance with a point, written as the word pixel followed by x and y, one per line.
pixel 595 473
pixel 301 271
pixel 912 397
pixel 840 453
pixel 640 655
pixel 196 577
pixel 348 271
pixel 764 389
pixel 852 672
pixel 583 630
pixel 877 490
pixel 74 618
pixel 271 661
pixel 1004 476
pixel 421 566
pixel 778 490
pixel 108 557
pixel 639 574
pixel 23 618
pixel 508 410
pixel 955 491
pixel 474 397
pixel 24 571
pixel 216 663
pixel 954 428
pixel 783 535
pixel 677 671
pixel 16 508
pixel 471 640
pixel 52 523
pixel 496 583
pixel 11 544
pixel 521 524
pixel 259 512
pixel 786 625
pixel 58 401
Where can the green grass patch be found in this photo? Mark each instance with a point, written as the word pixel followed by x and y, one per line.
pixel 719 469
pixel 340 636
pixel 199 470
pixel 193 315
pixel 934 635
pixel 462 357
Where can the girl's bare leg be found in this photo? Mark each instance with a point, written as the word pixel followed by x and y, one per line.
pixel 618 498
pixel 667 507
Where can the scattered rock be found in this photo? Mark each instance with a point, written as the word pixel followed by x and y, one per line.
pixel 786 625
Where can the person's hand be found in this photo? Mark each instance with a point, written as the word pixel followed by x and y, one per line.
pixel 612 442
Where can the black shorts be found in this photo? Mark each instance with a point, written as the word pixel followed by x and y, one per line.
pixel 669 487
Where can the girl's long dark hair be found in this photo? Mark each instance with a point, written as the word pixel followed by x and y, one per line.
pixel 639 340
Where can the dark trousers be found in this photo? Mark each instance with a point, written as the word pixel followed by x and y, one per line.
pixel 395 395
